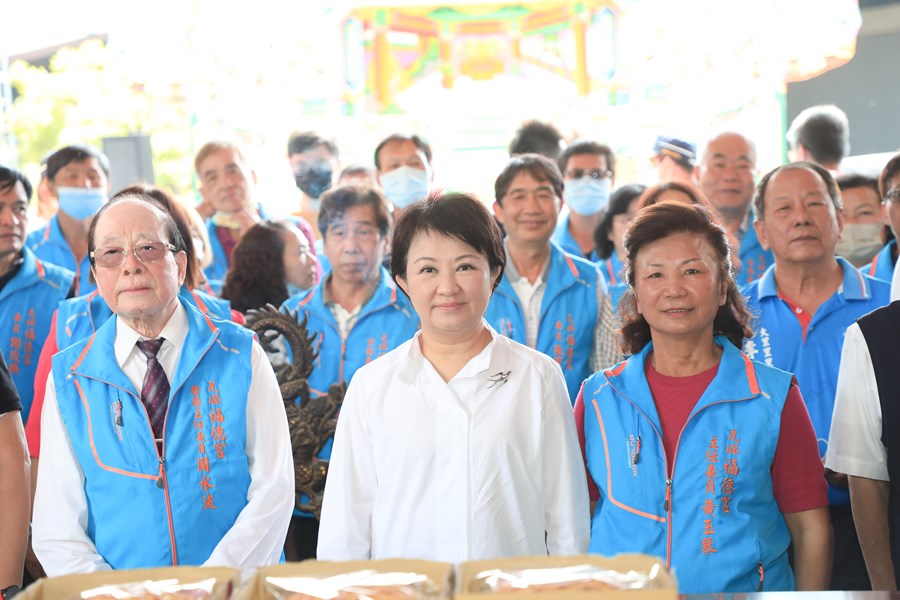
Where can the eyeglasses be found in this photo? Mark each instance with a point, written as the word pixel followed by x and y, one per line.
pixel 114 256
pixel 593 174
pixel 893 196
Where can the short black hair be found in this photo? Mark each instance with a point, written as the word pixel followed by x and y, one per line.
pixel 9 177
pixel 420 143
pixel 74 153
pixel 851 181
pixel 538 166
pixel 336 201
pixel 536 137
pixel 759 198
pixel 301 141
pixel 454 214
pixel 588 147
pixel 619 201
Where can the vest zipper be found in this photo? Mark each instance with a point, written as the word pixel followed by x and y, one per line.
pixel 670 473
pixel 667 506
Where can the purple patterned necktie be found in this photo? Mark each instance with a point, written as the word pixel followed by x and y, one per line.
pixel 155 392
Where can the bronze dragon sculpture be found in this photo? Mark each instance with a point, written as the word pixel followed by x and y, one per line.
pixel 312 421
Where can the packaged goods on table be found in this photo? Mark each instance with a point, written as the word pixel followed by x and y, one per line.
pixel 170 583
pixel 353 580
pixel 631 577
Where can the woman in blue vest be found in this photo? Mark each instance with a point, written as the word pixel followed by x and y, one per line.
pixel 683 441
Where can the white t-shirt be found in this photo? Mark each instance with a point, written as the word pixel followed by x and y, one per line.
pixel 854 446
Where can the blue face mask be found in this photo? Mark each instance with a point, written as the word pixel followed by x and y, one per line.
pixel 405 185
pixel 587 196
pixel 80 203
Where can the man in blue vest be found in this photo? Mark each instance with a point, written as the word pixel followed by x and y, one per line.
pixel 30 289
pixel 164 437
pixel 725 175
pixel 589 171
pixel 227 185
pixel 79 177
pixel 549 300
pixel 805 302
pixel 356 312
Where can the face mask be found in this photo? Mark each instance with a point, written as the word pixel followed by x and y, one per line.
pixel 225 220
pixel 587 196
pixel 313 178
pixel 80 203
pixel 405 185
pixel 860 242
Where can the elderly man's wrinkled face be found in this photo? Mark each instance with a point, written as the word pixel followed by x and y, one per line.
pixel 226 182
pixel 143 293
pixel 801 223
pixel 726 174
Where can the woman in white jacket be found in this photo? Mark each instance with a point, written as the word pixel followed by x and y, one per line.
pixel 460 444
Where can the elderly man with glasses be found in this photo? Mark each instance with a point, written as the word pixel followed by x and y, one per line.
pixel 165 441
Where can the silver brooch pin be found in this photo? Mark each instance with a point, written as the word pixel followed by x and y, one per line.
pixel 498 379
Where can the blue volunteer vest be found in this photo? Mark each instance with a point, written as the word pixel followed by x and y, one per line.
pixel 754 258
pixel 882 266
pixel 50 246
pixel 77 318
pixel 717 524
pixel 563 238
pixel 145 510
pixel 27 303
pixel 568 315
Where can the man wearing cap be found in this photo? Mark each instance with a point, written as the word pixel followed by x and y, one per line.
pixel 673 159
pixel 589 171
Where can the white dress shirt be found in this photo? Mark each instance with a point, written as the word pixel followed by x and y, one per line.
pixel 480 467
pixel 895 285
pixel 854 445
pixel 257 537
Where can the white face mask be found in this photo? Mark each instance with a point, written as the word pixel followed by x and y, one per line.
pixel 405 185
pixel 860 242
pixel 587 196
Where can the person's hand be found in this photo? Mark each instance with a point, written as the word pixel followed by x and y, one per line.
pixel 205 209
pixel 246 218
pixel 838 480
pixel 32 564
